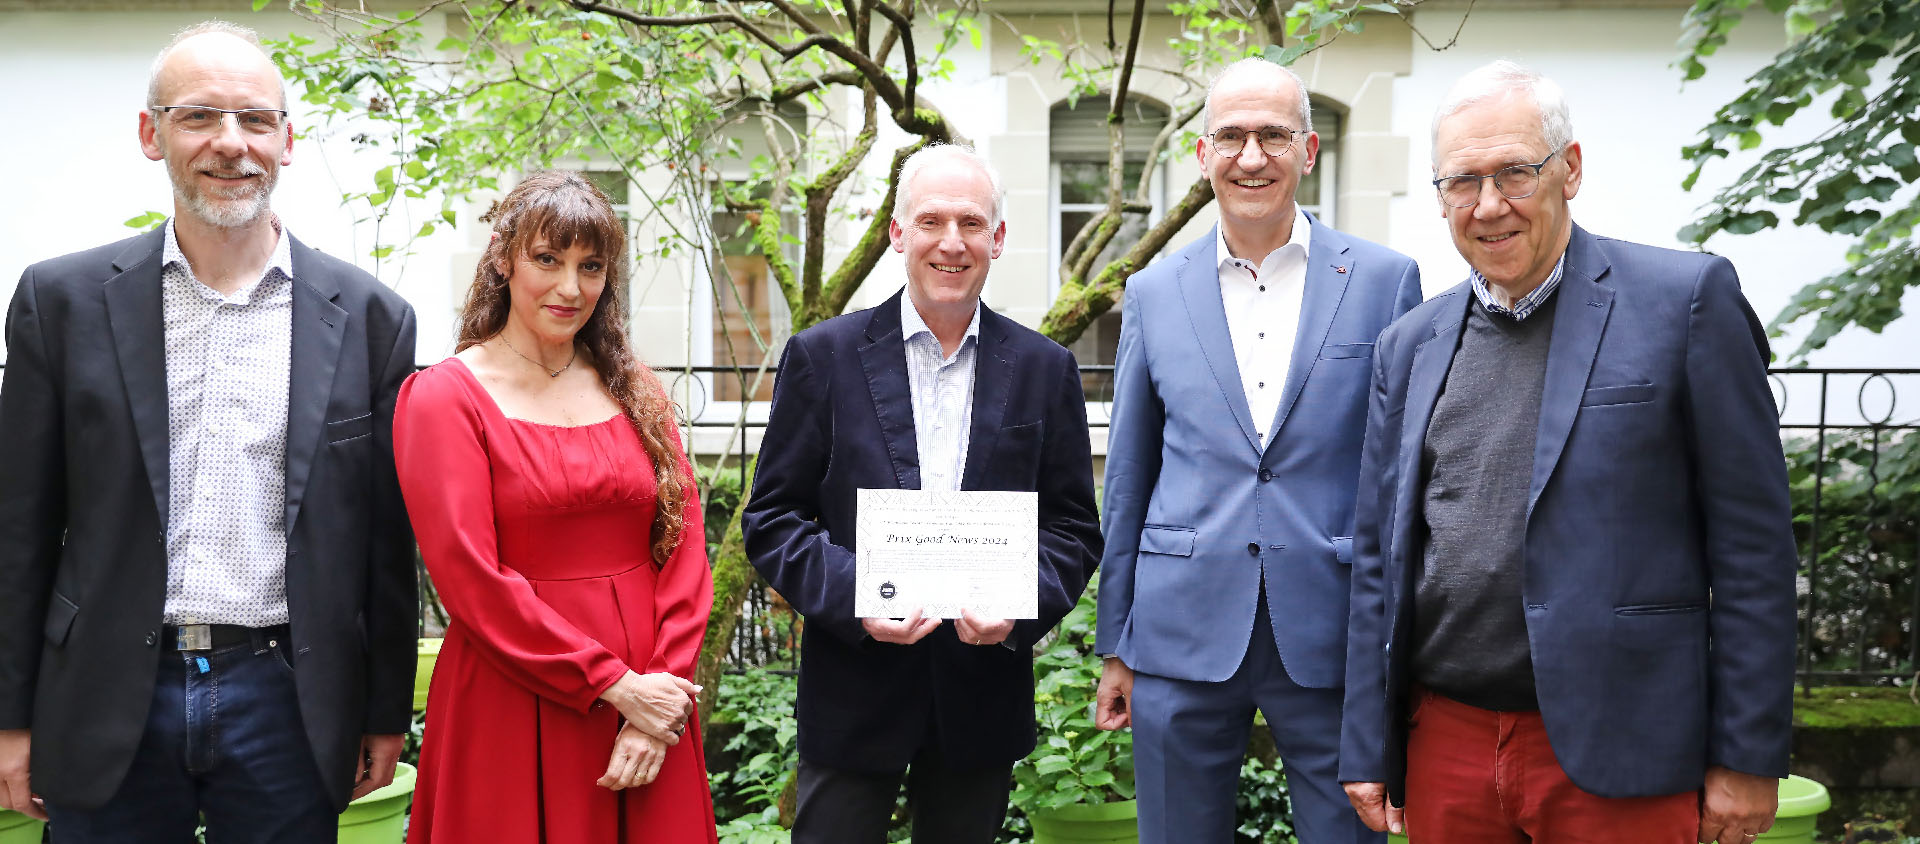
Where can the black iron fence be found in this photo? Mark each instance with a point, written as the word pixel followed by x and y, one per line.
pixel 1853 460
pixel 1854 471
pixel 1853 464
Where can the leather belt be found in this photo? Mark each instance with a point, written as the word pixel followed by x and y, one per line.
pixel 206 637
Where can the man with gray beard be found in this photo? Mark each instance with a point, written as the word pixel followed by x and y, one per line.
pixel 210 604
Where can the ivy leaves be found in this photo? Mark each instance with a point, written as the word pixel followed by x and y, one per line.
pixel 1847 180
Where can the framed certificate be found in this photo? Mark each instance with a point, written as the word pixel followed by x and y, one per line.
pixel 940 552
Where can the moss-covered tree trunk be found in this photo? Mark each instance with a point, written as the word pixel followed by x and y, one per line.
pixel 732 577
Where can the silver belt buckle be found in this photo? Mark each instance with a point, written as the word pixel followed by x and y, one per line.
pixel 194 637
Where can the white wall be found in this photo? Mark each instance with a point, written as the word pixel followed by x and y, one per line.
pixel 76 172
pixel 1631 117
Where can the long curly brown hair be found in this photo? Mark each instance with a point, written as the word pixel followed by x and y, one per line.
pixel 563 208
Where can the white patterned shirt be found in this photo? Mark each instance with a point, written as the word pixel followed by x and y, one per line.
pixel 227 386
pixel 1263 316
pixel 942 389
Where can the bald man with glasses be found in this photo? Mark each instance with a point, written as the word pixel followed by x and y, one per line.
pixel 1240 394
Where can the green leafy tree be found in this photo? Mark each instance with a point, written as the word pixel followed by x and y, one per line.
pixel 1849 178
pixel 461 93
pixel 1852 178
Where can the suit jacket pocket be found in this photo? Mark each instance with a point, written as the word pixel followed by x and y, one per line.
pixel 1343 550
pixel 1661 609
pixel 1346 350
pixel 1625 394
pixel 349 429
pixel 60 617
pixel 1162 539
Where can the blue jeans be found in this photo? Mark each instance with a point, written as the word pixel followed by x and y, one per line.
pixel 224 740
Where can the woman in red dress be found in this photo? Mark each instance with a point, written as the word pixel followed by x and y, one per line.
pixel 559 519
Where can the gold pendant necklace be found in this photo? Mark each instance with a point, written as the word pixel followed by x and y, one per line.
pixel 551 373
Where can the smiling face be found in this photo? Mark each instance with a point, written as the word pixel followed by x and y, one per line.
pixel 1255 190
pixel 553 291
pixel 949 236
pixel 225 178
pixel 1515 243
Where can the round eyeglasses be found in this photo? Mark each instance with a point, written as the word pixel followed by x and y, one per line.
pixel 206 120
pixel 1275 141
pixel 1516 182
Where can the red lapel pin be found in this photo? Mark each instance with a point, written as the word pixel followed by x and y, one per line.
pixel 1339 269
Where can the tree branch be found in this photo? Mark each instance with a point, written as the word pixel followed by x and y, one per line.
pixel 903 25
pixel 819 199
pixel 1275 22
pixel 1078 305
pixel 1174 123
pixel 873 243
pixel 799 89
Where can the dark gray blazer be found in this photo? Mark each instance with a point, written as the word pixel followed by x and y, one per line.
pixel 83 498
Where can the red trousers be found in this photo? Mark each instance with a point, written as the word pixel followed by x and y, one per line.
pixel 1475 776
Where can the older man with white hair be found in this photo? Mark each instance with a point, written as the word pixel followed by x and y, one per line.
pixel 1573 587
pixel 933 391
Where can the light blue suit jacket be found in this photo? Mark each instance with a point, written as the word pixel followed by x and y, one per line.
pixel 1197 515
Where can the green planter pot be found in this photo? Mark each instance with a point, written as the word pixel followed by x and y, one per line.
pixel 380 817
pixel 16 828
pixel 423 673
pixel 1087 823
pixel 1801 802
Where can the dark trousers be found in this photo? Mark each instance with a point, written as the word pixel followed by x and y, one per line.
pixel 223 740
pixel 949 806
pixel 1475 776
pixel 1189 739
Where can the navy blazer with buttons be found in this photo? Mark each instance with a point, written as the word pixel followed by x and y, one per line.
pixel 842 420
pixel 1659 560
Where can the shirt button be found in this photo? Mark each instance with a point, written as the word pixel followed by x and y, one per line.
pixel 1263 335
pixel 1253 548
pixel 1263 288
pixel 1266 475
pixel 1263 385
pixel 153 637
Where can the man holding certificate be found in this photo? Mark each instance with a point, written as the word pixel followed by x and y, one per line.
pixel 925 462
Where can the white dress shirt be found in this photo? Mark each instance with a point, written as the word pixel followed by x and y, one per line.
pixel 1263 316
pixel 942 390
pixel 227 364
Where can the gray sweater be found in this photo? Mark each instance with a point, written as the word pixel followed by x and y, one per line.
pixel 1469 619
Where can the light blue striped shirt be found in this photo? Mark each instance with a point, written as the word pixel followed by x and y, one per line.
pixel 942 389
pixel 1523 308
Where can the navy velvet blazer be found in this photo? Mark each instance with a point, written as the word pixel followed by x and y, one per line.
pixel 1659 565
pixel 842 420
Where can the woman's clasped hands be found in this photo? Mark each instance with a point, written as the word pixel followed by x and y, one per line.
pixel 656 708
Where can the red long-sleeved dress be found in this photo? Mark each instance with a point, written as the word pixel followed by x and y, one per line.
pixel 537 539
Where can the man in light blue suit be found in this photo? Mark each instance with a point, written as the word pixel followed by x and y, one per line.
pixel 1239 404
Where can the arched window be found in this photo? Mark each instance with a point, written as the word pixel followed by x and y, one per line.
pixel 1317 191
pixel 1078 150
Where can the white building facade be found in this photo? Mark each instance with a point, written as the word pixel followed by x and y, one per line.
pixel 72 73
